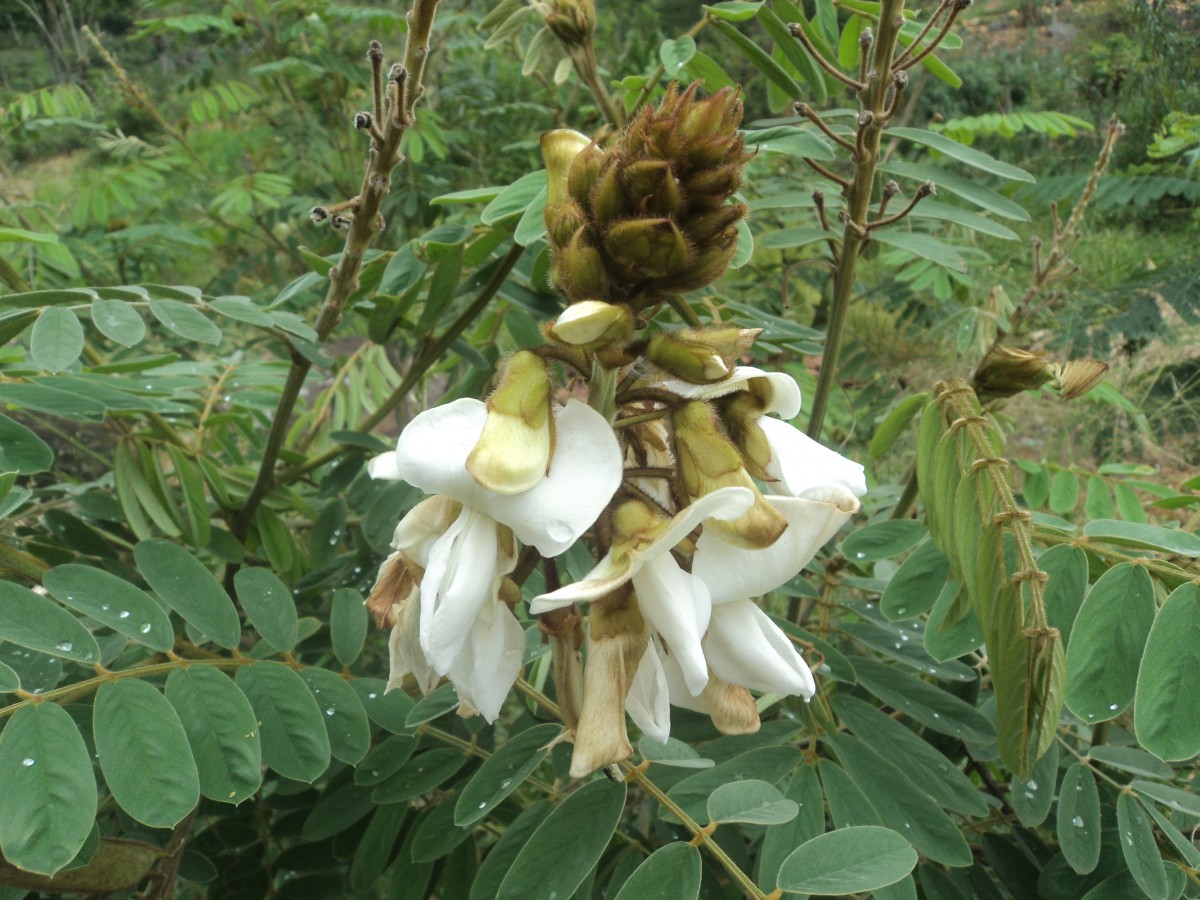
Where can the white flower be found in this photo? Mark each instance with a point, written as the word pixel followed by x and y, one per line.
pixel 463 629
pixel 675 603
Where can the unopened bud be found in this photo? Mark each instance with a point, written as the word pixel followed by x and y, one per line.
pixel 1007 371
pixel 740 412
pixel 653 248
pixel 732 709
pixel 592 324
pixel 584 171
pixel 559 149
pixel 581 268
pixel 514 449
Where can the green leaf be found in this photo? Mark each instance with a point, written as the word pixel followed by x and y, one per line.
pixel 375 847
pixel 672 753
pixel 734 10
pixel 342 712
pixel 968 188
pixel 185 321
pixel 922 245
pixel 385 760
pixel 956 215
pixel 1032 796
pixel 847 49
pixel 1168 683
pixel 35 623
pixel 672 872
pixel 48 804
pixel 336 811
pixel 752 802
pixel 13 322
pixel 1132 760
pixel 118 321
pixel 1064 492
pixel 916 584
pixel 347 625
pixel 112 601
pixel 928 769
pixel 675 53
pixel 221 730
pixel 1067 569
pixel 515 198
pixel 1140 849
pixel 1107 643
pixel 792 141
pixel 532 224
pixel 436 705
pixel 848 861
pixel 423 773
pixel 1097 503
pixel 559 855
pixel 9 679
pixel 472 195
pixel 1146 537
pixel 759 58
pixel 769 764
pixel 895 423
pixel 435 835
pixel 702 67
pixel 793 52
pixel 243 309
pixel 900 804
pixel 1184 802
pixel 794 237
pixel 882 540
pixel 144 753
pixel 52 297
pixel 388 710
pixel 976 159
pixel 269 606
pixel 189 588
pixel 57 339
pixel 503 772
pixel 21 450
pixel 500 858
pixel 963 635
pixel 294 740
pixel 1078 825
pixel 929 705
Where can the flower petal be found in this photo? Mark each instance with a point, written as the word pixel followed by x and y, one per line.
pixel 677 606
pixel 680 694
pixel 433 448
pixel 584 474
pixel 801 463
pixel 745 647
pixel 648 701
pixel 783 395
pixel 485 670
pixel 405 654
pixel 615 569
pixel 384 466
pixel 423 525
pixel 733 573
pixel 463 574
pixel 608 575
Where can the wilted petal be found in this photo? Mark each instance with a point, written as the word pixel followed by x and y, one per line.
pixel 677 606
pixel 463 574
pixel 746 648
pixel 405 654
pixel 732 573
pixel 489 663
pixel 801 463
pixel 648 701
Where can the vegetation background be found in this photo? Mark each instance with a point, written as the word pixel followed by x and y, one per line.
pixel 158 165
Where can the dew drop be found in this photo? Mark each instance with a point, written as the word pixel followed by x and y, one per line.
pixel 145 628
pixel 28 761
pixel 123 614
pixel 505 783
pixel 372 695
pixel 64 646
pixel 1077 821
pixel 329 710
pixel 483 805
pixel 1033 785
pixel 1112 706
pixel 860 555
pixel 937 715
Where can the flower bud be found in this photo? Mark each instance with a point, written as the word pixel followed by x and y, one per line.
pixel 581 268
pixel 708 461
pixel 559 149
pixel 592 324
pixel 1007 371
pixel 650 248
pixel 608 200
pixel 713 223
pixel 740 412
pixel 653 187
pixel 562 221
pixel 693 361
pixel 514 449
pixel 571 21
pixel 585 169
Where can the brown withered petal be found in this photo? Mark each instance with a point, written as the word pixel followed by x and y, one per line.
pixel 399 578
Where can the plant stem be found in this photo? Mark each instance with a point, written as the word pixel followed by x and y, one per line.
pixel 343 278
pixel 858 203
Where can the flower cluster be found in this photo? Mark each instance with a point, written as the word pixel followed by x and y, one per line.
pixel 696 493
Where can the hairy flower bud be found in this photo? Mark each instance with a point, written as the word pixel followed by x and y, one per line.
pixel 571 21
pixel 591 325
pixel 559 149
pixel 740 412
pixel 707 462
pixel 514 450
pixel 581 272
pixel 1007 371
pixel 585 169
pixel 653 247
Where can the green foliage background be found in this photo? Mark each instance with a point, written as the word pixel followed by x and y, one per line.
pixel 230 736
